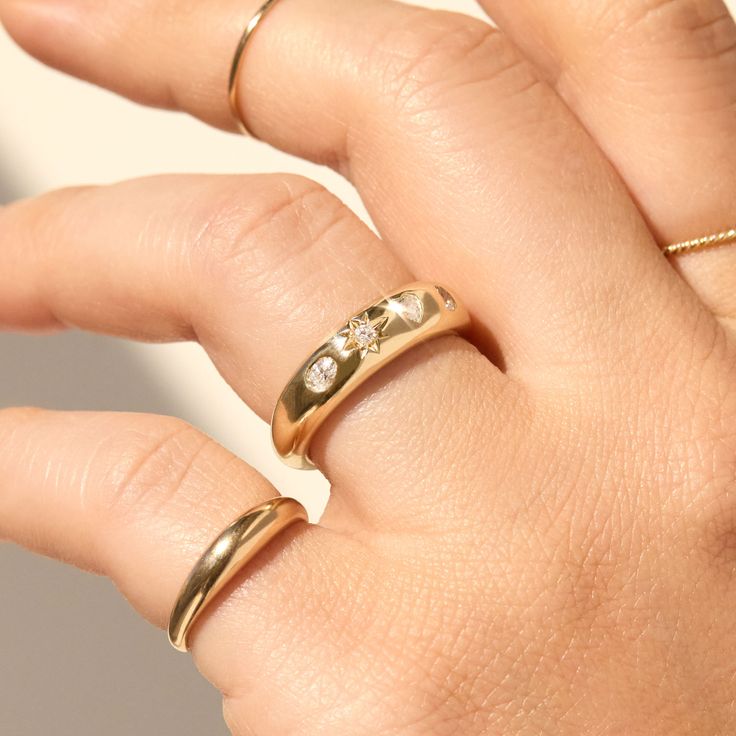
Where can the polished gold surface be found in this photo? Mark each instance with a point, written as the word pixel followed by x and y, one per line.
pixel 233 81
pixel 727 237
pixel 225 557
pixel 368 341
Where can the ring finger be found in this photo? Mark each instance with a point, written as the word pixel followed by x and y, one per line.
pixel 257 269
pixel 138 498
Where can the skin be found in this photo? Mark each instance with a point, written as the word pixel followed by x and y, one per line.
pixel 544 540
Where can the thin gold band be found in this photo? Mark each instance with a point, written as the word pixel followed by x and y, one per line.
pixel 716 240
pixel 368 341
pixel 232 88
pixel 225 557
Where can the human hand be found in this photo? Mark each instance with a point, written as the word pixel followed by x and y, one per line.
pixel 531 530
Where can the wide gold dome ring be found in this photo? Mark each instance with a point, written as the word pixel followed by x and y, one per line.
pixel 369 340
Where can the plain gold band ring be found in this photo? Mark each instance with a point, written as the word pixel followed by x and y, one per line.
pixel 233 81
pixel 225 557
pixel 727 237
pixel 367 342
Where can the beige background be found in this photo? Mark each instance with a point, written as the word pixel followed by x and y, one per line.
pixel 74 659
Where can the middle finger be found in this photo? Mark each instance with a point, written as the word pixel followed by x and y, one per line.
pixel 469 163
pixel 258 280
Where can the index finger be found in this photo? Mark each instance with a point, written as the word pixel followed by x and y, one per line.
pixel 472 167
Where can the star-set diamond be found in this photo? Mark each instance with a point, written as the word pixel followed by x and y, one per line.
pixel 364 334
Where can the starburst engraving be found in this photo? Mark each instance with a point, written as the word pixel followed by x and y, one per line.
pixel 364 334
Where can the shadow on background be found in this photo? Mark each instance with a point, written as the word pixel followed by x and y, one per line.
pixel 75 370
pixel 74 658
pixel 7 192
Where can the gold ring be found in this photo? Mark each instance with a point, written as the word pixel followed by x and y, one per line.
pixel 369 340
pixel 225 557
pixel 232 89
pixel 726 237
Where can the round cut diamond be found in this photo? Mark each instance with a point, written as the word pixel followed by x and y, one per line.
pixel 450 303
pixel 411 307
pixel 321 374
pixel 364 335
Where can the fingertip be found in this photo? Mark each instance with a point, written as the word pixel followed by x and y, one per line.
pixel 42 28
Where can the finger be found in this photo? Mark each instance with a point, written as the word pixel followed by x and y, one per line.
pixel 470 165
pixel 258 269
pixel 655 82
pixel 138 498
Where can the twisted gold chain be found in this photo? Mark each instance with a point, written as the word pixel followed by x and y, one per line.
pixel 709 241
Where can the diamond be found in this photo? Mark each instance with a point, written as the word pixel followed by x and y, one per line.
pixel 364 335
pixel 450 303
pixel 321 375
pixel 411 307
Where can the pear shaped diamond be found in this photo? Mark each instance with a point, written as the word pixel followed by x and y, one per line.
pixel 450 303
pixel 411 307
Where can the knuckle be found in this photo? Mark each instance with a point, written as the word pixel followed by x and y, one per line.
pixel 656 25
pixel 433 56
pixel 241 241
pixel 144 471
